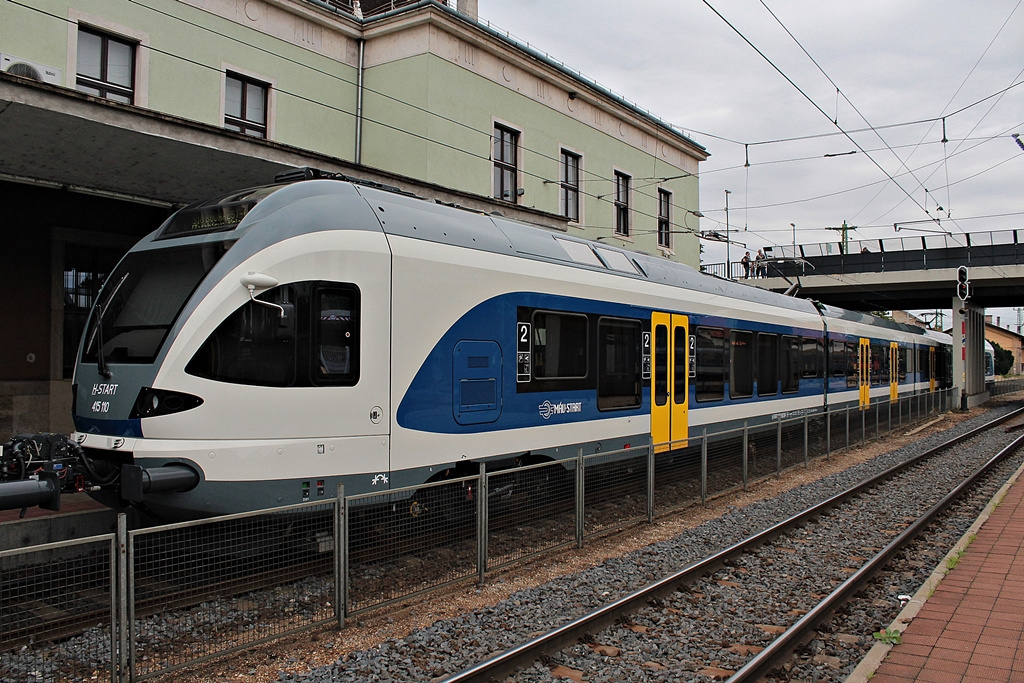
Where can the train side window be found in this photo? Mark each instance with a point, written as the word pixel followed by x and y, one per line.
pixel 790 364
pixel 811 358
pixel 767 364
pixel 877 357
pixel 559 345
pixel 254 345
pixel 336 337
pixel 618 363
pixel 681 370
pixel 901 360
pixel 852 365
pixel 660 365
pixel 741 365
pixel 709 384
pixel 837 359
pixel 923 363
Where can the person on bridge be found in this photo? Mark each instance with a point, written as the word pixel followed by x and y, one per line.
pixel 760 264
pixel 746 265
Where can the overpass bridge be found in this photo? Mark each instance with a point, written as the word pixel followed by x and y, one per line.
pixel 903 273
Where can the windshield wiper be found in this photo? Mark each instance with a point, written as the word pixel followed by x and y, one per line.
pixel 97 329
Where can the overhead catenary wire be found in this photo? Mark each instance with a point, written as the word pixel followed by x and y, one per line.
pixel 590 175
pixel 486 136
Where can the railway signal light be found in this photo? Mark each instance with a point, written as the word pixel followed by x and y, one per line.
pixel 962 283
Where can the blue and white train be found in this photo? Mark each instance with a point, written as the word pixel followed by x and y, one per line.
pixel 261 347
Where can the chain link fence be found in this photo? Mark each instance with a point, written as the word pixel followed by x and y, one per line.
pixel 139 604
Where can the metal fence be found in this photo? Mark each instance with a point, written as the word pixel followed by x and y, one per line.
pixel 1007 386
pixel 155 600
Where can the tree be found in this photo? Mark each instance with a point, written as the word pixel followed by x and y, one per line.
pixel 1003 359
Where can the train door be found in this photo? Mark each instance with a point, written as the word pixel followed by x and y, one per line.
pixel 669 391
pixel 864 374
pixel 894 370
pixel 931 368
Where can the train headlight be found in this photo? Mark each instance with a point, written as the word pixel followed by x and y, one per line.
pixel 155 402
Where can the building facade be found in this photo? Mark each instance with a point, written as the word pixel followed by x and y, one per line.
pixel 114 114
pixel 1008 340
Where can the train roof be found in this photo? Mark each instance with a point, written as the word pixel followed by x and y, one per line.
pixel 868 319
pixel 403 214
pixel 495 233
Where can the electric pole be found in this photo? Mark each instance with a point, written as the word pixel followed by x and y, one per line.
pixel 844 228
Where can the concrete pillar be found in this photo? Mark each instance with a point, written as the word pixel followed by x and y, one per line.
pixel 469 8
pixel 969 353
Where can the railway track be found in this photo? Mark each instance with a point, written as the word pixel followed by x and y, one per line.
pixel 757 624
pixel 152 600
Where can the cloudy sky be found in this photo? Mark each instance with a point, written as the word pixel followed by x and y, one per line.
pixel 838 107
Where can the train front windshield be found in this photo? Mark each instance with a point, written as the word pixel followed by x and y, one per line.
pixel 141 300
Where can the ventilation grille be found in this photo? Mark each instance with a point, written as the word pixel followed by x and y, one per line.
pixel 17 66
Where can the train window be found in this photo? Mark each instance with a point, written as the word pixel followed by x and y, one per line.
pixel 336 339
pixel 789 358
pixel 852 364
pixel 741 365
pixel 923 363
pixel 767 364
pixel 878 356
pixel 142 299
pixel 837 359
pixel 660 365
pixel 618 363
pixel 710 349
pixel 559 345
pixel 811 357
pixel 681 369
pixel 254 345
pixel 901 367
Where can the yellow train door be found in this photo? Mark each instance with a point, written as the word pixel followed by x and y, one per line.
pixel 931 368
pixel 864 374
pixel 894 370
pixel 669 372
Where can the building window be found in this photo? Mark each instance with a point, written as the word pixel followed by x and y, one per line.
pixel 664 219
pixel 245 105
pixel 85 269
pixel 106 66
pixel 569 197
pixel 506 142
pixel 622 204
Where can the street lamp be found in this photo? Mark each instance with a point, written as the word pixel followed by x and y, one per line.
pixel 793 225
pixel 728 267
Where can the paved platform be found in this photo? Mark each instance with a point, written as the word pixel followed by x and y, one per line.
pixel 965 624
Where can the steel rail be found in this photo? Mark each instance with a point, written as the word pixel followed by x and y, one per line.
pixel 508 662
pixel 783 646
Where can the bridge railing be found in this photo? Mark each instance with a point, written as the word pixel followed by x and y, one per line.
pixel 920 252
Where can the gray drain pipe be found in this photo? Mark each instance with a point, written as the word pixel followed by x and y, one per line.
pixel 359 105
